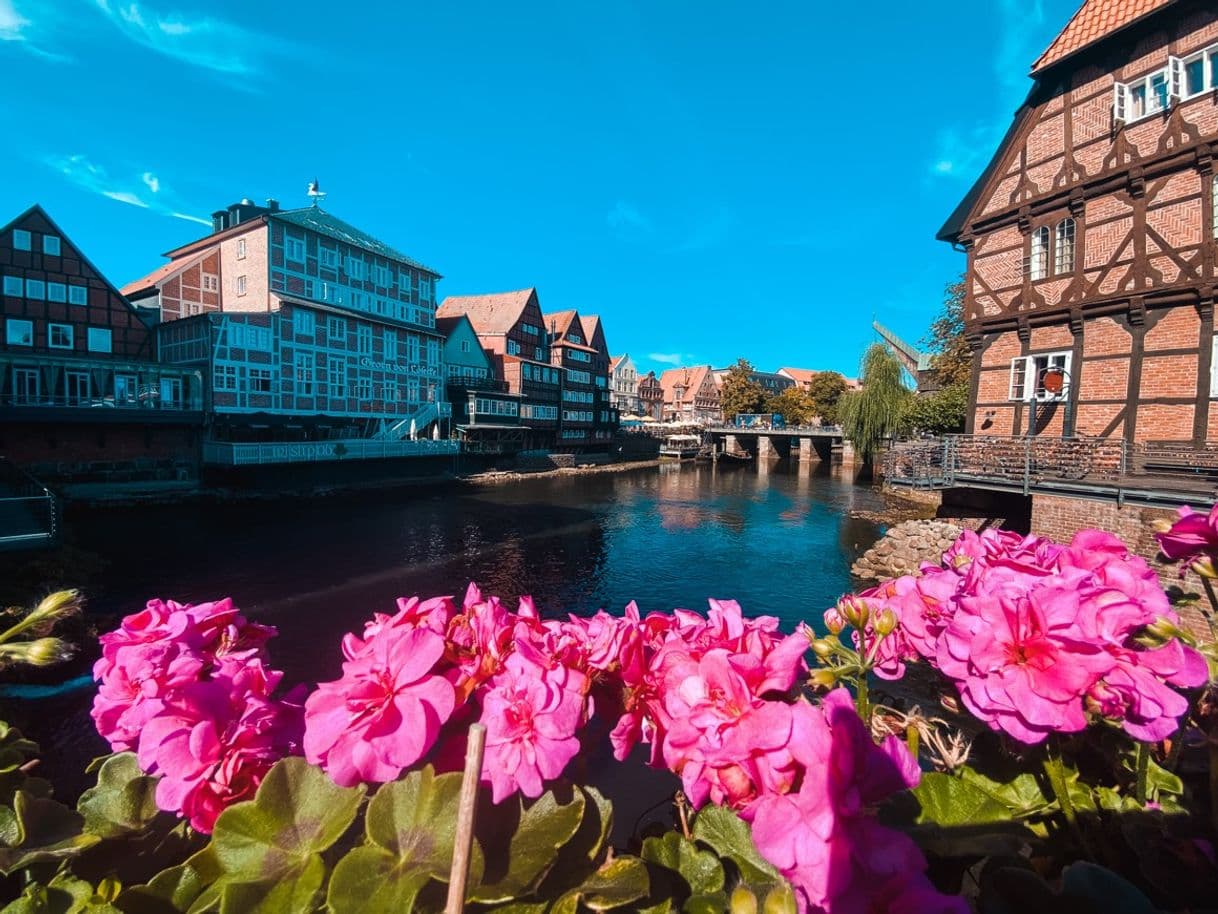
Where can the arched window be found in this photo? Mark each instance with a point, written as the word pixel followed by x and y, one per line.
pixel 1063 261
pixel 1038 261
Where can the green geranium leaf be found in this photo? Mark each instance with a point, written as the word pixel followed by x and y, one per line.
pixel 371 880
pixel 700 869
pixel 524 842
pixel 174 889
pixel 297 813
pixel 295 890
pixel 46 831
pixel 415 820
pixel 949 801
pixel 715 903
pixel 123 802
pixel 619 882
pixel 1022 795
pixel 729 836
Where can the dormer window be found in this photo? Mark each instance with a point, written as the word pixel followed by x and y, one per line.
pixel 1180 79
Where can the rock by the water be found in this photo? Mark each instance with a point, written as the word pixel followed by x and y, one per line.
pixel 904 548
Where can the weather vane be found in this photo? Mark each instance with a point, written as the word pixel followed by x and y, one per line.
pixel 315 192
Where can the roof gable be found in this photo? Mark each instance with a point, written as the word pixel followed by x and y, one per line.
pixel 154 279
pixel 559 323
pixel 594 333
pixel 496 312
pixel 1094 21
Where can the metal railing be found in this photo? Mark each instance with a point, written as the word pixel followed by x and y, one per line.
pixel 59 401
pixel 1028 463
pixel 229 453
pixel 28 510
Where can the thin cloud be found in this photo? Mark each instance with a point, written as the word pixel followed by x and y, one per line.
pixel 626 220
pixel 961 150
pixel 17 28
pixel 212 44
pixel 710 232
pixel 12 23
pixel 143 190
pixel 666 358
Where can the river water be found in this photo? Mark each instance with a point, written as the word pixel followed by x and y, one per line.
pixel 779 540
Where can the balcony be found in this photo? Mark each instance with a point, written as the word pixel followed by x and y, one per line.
pixel 232 454
pixel 490 384
pixel 1164 473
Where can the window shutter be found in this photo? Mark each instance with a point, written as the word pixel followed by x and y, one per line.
pixel 1120 102
pixel 1175 79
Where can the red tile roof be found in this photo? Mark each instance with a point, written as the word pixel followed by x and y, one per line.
pixel 614 361
pixel 1094 20
pixel 559 322
pixel 496 312
pixel 161 273
pixel 689 378
pixel 803 376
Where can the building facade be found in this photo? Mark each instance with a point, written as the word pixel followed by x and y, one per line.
pixel 308 329
pixel 486 416
pixel 651 397
pixel 82 395
pixel 510 328
pixel 1090 237
pixel 624 385
pixel 691 396
pixel 578 347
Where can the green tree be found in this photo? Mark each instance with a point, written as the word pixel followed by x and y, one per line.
pixel 939 413
pixel 741 393
pixel 952 358
pixel 876 412
pixel 794 404
pixel 826 389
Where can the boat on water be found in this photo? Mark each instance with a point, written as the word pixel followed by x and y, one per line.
pixel 680 447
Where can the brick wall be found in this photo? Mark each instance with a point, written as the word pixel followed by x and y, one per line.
pixel 62 450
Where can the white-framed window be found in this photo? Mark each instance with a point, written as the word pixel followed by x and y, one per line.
pixel 1028 376
pixel 363 337
pixel 328 257
pixel 336 329
pixel 77 387
pixel 171 393
pixel 578 355
pixel 14 286
pixel 1199 72
pixel 126 390
pixel 26 385
pixel 19 332
pixel 424 288
pixel 225 377
pixel 303 362
pixel 356 268
pixel 21 239
pixel 241 285
pixel 211 282
pixel 390 343
pixel 336 372
pixel 513 347
pixel 249 336
pixel 1063 251
pixel 294 249
pixel 363 388
pixel 78 295
pixel 35 288
pixel 304 322
pixel 1037 265
pixel 241 249
pixel 260 380
pixel 1151 93
pixel 100 340
pixel 59 336
pixel 57 292
pixel 357 301
pixel 382 275
pixel 50 245
pixel 465 345
pixel 433 351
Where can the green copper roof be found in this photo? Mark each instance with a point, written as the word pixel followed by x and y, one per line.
pixel 914 359
pixel 318 220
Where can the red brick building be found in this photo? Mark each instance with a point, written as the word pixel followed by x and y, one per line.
pixel 1091 235
pixel 578 347
pixel 82 396
pixel 691 396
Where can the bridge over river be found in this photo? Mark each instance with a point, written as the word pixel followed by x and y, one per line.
pixel 807 443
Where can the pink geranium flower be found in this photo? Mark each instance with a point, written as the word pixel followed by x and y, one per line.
pixel 386 711
pixel 532 711
pixel 1192 539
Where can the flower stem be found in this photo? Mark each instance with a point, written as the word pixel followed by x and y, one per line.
pixel 860 698
pixel 1143 775
pixel 1213 598
pixel 1056 774
pixel 911 739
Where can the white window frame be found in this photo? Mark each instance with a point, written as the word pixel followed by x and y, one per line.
pixel 1139 98
pixel 1064 237
pixel 51 245
pixel 78 295
pixel 303 366
pixel 336 329
pixel 292 247
pixel 19 332
pixel 389 342
pixel 241 249
pixel 1038 254
pixel 1025 377
pixel 57 292
pixel 261 380
pixel 211 282
pixel 304 323
pixel 69 339
pixel 96 337
pixel 36 289
pixel 241 284
pixel 14 286
pixel 363 340
pixel 225 377
pixel 1208 58
pixel 336 376
pixel 22 240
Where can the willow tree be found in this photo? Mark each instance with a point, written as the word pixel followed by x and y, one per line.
pixel 876 412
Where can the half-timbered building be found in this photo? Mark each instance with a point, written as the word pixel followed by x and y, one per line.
pixel 1090 237
pixel 82 396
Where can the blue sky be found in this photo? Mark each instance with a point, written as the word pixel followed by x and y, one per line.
pixel 715 179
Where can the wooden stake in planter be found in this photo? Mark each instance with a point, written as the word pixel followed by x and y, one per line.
pixel 465 820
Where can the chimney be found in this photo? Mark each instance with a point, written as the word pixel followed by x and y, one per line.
pixel 272 204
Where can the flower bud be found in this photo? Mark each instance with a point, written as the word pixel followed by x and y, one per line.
pixel 822 647
pixel 885 622
pixel 56 606
pixel 743 901
pixel 834 622
pixel 40 652
pixel 822 678
pixel 781 900
pixel 854 611
pixel 1204 566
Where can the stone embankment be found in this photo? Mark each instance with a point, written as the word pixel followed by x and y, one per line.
pixel 905 547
